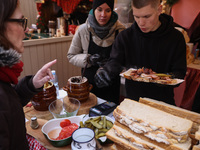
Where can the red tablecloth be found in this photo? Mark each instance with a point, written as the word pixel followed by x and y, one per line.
pixel 34 144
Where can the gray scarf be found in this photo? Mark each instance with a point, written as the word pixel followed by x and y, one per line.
pixel 101 31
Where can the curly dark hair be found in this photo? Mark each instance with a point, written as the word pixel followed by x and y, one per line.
pixel 7 8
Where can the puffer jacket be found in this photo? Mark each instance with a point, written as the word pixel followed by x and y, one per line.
pixel 78 51
pixel 12 100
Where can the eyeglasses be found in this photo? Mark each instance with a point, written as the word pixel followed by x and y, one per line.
pixel 24 21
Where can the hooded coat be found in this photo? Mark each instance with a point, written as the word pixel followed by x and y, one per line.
pixel 163 50
pixel 12 100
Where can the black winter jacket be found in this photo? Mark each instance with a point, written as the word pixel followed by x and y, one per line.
pixel 163 50
pixel 12 119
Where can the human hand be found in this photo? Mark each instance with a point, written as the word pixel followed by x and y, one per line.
pixel 43 75
pixel 94 59
pixel 101 78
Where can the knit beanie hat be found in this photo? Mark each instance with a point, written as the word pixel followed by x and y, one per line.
pixel 97 3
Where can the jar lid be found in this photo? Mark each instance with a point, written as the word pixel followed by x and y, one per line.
pixel 34 118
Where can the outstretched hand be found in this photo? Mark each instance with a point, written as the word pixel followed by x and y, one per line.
pixel 43 75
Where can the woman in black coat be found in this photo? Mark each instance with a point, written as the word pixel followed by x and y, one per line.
pixel 15 94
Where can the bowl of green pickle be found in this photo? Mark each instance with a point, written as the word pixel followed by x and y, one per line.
pixel 100 125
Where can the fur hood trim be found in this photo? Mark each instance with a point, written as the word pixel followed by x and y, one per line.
pixel 9 57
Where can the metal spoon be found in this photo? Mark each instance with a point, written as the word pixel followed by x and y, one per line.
pixel 82 75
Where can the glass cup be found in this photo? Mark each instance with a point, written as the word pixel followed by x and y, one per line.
pixel 66 107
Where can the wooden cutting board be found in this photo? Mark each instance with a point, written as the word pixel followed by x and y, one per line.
pixel 84 109
pixel 37 133
pixel 86 105
pixel 30 112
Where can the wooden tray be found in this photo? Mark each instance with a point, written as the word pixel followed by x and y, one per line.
pixel 31 112
pixel 86 105
pixel 84 109
pixel 37 133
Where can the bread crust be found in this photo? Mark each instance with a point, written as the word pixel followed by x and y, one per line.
pixel 116 146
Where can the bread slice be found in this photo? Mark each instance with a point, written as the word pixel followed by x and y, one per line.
pixel 130 142
pixel 196 147
pixel 153 123
pixel 116 146
pixel 177 111
pixel 197 134
pixel 128 139
pixel 174 110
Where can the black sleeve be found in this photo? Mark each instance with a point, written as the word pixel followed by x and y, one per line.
pixel 26 90
pixel 179 66
pixel 115 64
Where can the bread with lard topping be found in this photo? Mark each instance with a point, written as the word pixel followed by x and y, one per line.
pixel 124 137
pixel 177 111
pixel 152 123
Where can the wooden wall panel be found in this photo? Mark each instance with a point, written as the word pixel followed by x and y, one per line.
pixel 39 52
pixel 29 10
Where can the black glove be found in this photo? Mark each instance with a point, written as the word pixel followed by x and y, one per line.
pixel 94 59
pixel 102 62
pixel 101 78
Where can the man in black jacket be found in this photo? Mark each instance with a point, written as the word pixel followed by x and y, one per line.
pixel 151 42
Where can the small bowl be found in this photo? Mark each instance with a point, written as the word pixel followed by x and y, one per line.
pixel 64 108
pixel 102 139
pixel 52 129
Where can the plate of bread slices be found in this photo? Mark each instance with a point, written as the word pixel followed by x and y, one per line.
pixel 148 75
pixel 150 124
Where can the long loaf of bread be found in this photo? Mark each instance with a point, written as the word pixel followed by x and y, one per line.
pixel 124 137
pixel 152 122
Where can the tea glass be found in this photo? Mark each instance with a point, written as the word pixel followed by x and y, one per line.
pixel 63 108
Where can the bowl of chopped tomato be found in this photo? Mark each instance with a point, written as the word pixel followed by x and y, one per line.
pixel 58 131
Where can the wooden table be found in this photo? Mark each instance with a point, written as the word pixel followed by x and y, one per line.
pixel 42 119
